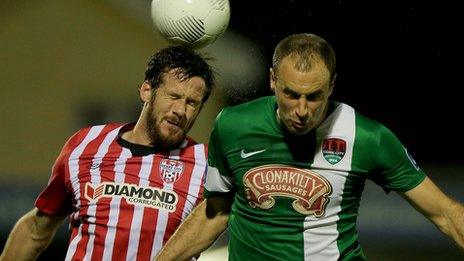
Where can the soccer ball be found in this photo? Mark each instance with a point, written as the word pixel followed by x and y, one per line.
pixel 196 23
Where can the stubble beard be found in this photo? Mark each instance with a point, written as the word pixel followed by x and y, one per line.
pixel 157 139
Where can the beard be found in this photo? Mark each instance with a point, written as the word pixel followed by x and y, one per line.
pixel 158 139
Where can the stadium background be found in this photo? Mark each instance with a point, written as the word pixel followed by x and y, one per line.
pixel 68 64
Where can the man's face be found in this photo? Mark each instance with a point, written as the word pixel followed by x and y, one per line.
pixel 302 96
pixel 173 108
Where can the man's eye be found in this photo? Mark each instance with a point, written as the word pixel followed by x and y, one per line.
pixel 314 97
pixel 292 95
pixel 193 103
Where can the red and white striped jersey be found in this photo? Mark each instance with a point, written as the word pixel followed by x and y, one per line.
pixel 125 200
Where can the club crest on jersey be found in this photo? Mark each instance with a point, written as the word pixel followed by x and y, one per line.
pixel 133 194
pixel 309 190
pixel 333 150
pixel 171 170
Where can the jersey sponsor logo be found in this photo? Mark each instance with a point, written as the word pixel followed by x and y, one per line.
pixel 133 194
pixel 309 190
pixel 171 170
pixel 245 155
pixel 96 165
pixel 333 150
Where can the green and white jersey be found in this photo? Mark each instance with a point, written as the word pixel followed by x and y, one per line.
pixel 297 197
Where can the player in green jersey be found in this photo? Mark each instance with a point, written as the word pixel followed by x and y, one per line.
pixel 286 172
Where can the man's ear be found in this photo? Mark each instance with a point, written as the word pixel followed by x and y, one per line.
pixel 272 79
pixel 332 83
pixel 145 92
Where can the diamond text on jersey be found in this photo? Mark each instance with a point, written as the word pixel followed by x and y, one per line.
pixel 135 195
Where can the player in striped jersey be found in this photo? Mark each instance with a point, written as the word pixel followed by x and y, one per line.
pixel 127 187
pixel 288 181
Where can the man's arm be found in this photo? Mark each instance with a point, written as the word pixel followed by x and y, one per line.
pixel 31 235
pixel 199 230
pixel 446 213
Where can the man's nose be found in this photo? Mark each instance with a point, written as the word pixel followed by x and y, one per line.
pixel 302 108
pixel 180 107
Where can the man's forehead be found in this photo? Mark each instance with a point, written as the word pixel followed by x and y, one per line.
pixel 305 83
pixel 194 85
pixel 304 64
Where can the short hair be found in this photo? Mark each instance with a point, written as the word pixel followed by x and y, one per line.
pixel 308 47
pixel 186 61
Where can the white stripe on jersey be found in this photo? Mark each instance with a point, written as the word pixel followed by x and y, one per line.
pixel 95 179
pixel 73 245
pixel 113 215
pixel 162 221
pixel 217 182
pixel 320 234
pixel 73 172
pixel 196 179
pixel 137 218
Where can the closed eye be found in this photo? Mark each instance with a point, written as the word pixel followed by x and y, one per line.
pixel 193 102
pixel 315 96
pixel 174 96
pixel 291 94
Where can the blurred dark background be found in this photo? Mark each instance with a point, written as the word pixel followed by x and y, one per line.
pixel 69 64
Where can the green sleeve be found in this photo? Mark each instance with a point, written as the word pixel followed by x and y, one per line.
pixel 396 169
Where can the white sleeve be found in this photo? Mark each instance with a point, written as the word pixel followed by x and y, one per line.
pixel 215 182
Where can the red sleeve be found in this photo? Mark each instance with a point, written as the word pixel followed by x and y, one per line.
pixel 56 199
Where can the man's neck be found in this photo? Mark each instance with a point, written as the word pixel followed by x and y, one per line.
pixel 138 135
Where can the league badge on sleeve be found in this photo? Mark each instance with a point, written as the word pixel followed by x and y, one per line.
pixel 411 159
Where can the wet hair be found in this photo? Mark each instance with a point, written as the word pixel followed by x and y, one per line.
pixel 308 47
pixel 187 64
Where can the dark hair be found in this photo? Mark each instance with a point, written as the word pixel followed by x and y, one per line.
pixel 188 63
pixel 308 47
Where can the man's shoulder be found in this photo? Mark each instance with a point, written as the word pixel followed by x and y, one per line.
pixel 94 131
pixel 100 129
pixel 361 119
